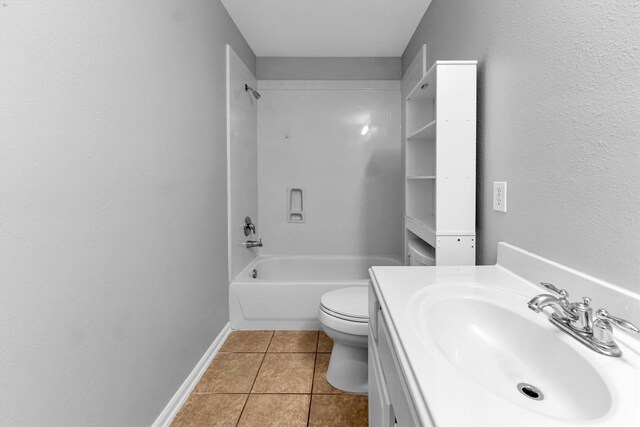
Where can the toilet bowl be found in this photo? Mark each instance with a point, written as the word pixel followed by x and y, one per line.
pixel 344 317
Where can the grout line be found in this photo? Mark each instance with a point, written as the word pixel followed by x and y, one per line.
pixel 270 341
pixel 218 392
pixel 328 393
pixel 269 392
pixel 264 356
pixel 313 377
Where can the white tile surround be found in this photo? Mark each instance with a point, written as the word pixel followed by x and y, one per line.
pixel 242 162
pixel 309 136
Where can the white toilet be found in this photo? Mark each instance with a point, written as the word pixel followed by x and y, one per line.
pixel 344 316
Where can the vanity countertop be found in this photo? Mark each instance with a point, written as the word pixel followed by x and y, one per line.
pixel 443 394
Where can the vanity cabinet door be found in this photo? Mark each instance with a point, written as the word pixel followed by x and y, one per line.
pixel 380 409
pixel 398 393
pixel 374 308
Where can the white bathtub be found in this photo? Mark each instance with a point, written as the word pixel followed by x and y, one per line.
pixel 286 292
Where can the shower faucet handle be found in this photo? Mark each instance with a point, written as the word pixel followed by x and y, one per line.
pixel 248 226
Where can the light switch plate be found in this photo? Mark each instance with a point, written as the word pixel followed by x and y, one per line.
pixel 500 196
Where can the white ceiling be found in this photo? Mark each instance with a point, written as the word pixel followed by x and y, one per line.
pixel 327 27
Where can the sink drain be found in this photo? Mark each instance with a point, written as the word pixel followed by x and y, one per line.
pixel 530 391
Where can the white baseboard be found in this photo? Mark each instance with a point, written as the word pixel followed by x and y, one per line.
pixel 178 399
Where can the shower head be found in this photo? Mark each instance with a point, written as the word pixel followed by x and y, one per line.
pixel 254 92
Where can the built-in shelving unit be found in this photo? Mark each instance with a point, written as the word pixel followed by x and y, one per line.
pixel 440 157
pixel 426 132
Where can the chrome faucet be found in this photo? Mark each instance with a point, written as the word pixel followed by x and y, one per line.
pixel 561 306
pixel 576 319
pixel 253 243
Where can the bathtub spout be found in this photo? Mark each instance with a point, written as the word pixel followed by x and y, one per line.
pixel 253 243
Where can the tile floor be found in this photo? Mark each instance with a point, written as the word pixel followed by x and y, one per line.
pixel 267 378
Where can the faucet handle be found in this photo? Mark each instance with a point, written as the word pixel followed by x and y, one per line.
pixel 248 227
pixel 563 293
pixel 625 325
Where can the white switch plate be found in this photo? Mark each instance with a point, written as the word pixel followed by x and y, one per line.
pixel 500 196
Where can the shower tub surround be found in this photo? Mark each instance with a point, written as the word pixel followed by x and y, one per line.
pixel 285 293
pixel 338 144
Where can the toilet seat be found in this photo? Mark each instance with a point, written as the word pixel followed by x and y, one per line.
pixel 343 316
pixel 350 302
pixel 346 310
pixel 341 325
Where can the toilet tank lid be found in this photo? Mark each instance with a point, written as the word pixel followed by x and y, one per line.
pixel 351 302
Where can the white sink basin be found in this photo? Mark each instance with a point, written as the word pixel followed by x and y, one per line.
pixel 482 343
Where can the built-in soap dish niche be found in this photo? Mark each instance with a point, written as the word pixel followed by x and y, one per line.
pixel 295 204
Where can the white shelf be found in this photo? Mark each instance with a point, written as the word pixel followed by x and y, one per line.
pixel 415 71
pixel 424 228
pixel 426 132
pixel 426 87
pixel 418 177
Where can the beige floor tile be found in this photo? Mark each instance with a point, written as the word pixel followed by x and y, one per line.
pixel 325 344
pixel 210 410
pixel 230 373
pixel 277 410
pixel 285 373
pixel 247 341
pixel 344 410
pixel 294 342
pixel 320 383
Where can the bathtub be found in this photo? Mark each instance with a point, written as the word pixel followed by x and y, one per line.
pixel 286 291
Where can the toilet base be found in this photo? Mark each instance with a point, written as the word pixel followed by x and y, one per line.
pixel 348 368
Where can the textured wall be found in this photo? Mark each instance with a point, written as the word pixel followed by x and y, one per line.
pixel 559 120
pixel 113 220
pixel 309 135
pixel 285 68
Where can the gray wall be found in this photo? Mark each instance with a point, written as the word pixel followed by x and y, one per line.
pixel 113 221
pixel 285 68
pixel 559 120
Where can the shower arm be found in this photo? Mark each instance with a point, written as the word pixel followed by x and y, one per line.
pixel 254 92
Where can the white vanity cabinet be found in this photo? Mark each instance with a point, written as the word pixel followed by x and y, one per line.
pixel 446 348
pixel 389 399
